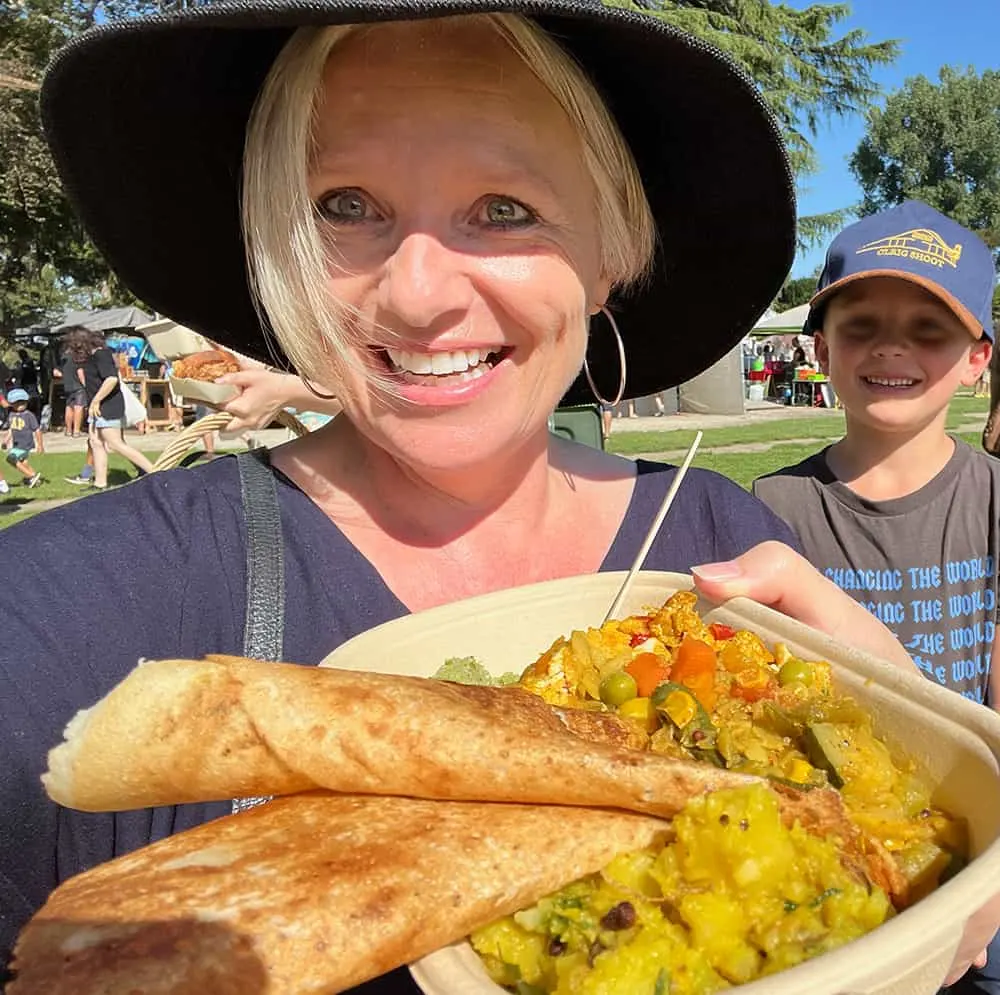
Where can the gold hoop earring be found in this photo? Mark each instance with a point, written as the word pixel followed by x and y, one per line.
pixel 621 356
pixel 315 393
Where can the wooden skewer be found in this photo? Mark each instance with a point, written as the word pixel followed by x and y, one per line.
pixel 654 530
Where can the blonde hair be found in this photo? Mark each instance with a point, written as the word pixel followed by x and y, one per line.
pixel 287 254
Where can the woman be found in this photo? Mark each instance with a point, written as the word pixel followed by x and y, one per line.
pixel 441 219
pixel 105 403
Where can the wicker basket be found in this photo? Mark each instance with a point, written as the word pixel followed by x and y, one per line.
pixel 173 454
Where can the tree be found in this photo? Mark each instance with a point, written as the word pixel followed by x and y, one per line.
pixel 805 71
pixel 46 261
pixel 795 292
pixel 939 143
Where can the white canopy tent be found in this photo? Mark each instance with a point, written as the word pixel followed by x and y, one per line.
pixel 783 323
pixel 103 320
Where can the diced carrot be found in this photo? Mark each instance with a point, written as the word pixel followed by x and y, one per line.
pixel 721 632
pixel 694 667
pixel 752 694
pixel 649 672
pixel 753 684
pixel 693 658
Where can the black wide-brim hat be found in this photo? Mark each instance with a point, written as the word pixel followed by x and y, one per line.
pixel 146 119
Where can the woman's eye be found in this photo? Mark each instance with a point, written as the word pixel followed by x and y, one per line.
pixel 505 212
pixel 347 206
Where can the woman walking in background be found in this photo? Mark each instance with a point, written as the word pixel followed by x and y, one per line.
pixel 105 403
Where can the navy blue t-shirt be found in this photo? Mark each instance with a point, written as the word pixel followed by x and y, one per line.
pixel 23 425
pixel 162 574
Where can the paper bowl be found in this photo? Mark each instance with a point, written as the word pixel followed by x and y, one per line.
pixel 956 741
pixel 215 394
pixel 171 341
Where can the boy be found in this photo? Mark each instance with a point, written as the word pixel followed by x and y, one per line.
pixel 898 513
pixel 23 435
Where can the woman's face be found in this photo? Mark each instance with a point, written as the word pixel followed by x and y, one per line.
pixel 461 230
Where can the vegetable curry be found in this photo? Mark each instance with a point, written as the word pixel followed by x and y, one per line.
pixel 732 894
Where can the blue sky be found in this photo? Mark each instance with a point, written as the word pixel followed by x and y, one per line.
pixel 932 33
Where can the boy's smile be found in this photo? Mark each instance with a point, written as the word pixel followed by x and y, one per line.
pixel 886 339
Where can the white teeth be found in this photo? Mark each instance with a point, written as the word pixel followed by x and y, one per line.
pixel 463 361
pixel 417 362
pixel 891 381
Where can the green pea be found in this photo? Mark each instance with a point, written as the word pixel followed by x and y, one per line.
pixel 618 688
pixel 795 672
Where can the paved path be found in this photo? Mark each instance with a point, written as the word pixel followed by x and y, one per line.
pixel 13 507
pixel 154 442
pixel 761 411
pixel 755 413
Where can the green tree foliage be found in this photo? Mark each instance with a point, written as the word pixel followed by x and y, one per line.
pixel 939 143
pixel 46 261
pixel 806 70
pixel 795 292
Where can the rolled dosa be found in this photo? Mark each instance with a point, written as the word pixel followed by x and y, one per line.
pixel 310 894
pixel 178 731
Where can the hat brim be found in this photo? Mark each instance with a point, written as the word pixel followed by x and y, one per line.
pixel 146 121
pixel 964 315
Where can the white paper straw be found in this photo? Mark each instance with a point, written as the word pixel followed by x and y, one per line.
pixel 654 529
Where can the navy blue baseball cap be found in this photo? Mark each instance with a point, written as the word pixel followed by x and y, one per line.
pixel 916 243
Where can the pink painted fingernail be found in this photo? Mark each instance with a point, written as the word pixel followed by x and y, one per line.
pixel 728 570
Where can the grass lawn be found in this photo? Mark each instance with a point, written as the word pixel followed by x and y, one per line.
pixel 964 409
pixel 782 441
pixel 745 467
pixel 22 502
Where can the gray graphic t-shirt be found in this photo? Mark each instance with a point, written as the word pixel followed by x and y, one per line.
pixel 925 564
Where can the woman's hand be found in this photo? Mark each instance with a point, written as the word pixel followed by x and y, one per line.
pixel 94 409
pixel 775 575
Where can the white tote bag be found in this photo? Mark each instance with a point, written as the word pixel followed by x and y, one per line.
pixel 134 410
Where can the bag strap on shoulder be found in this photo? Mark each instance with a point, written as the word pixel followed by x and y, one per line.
pixel 264 627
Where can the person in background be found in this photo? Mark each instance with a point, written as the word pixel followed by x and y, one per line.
pixel 105 404
pixel 85 478
pixel 898 513
pixel 263 392
pixel 27 372
pixel 69 374
pixel 23 436
pixel 983 384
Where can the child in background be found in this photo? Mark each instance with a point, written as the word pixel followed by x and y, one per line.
pixel 23 436
pixel 899 513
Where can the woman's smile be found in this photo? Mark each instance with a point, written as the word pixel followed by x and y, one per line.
pixel 443 377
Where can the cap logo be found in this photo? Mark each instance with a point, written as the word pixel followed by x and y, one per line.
pixel 919 244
